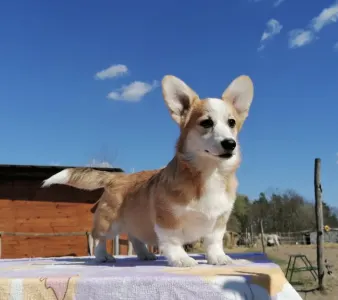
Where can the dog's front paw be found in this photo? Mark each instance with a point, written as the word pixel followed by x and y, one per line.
pixel 146 256
pixel 183 262
pixel 106 258
pixel 219 259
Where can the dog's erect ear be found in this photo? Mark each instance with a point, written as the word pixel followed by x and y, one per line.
pixel 240 94
pixel 178 97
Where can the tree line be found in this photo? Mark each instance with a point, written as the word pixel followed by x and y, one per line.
pixel 281 212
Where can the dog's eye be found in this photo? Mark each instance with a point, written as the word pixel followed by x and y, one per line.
pixel 208 123
pixel 232 123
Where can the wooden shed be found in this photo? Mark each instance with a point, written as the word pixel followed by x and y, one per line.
pixel 62 213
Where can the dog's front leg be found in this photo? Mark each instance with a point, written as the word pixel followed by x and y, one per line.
pixel 171 244
pixel 100 252
pixel 213 244
pixel 141 250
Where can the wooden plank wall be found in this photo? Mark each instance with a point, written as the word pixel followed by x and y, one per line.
pixel 21 247
pixel 45 217
pixel 25 207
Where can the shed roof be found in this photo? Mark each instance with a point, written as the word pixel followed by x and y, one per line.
pixel 38 172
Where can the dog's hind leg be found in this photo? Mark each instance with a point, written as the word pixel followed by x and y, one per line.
pixel 140 249
pixel 106 226
pixel 100 252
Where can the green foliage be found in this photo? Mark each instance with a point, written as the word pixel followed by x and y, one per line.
pixel 241 211
pixel 281 212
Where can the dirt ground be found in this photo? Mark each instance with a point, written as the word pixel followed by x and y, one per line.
pixel 281 257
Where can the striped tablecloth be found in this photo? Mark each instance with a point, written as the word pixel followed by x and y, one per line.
pixel 252 276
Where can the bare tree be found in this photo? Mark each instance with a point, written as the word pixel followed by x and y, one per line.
pixel 100 164
pixel 105 158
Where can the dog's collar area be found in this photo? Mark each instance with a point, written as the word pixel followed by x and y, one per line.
pixel 224 155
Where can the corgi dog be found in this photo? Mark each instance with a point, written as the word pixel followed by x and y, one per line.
pixel 189 199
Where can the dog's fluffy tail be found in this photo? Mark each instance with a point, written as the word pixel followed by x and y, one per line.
pixel 81 178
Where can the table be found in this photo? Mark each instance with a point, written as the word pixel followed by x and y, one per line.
pixel 252 277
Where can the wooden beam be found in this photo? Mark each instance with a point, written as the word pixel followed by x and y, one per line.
pixel 36 234
pixel 319 224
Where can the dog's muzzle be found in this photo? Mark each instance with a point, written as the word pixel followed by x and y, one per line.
pixel 225 155
pixel 229 146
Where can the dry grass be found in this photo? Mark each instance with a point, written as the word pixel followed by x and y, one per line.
pixel 281 257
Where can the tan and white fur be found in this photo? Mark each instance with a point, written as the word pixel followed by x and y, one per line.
pixel 192 197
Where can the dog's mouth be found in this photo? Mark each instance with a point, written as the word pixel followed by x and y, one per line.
pixel 225 155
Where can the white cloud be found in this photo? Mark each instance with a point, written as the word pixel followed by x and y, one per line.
pixel 300 37
pixel 273 27
pixel 278 2
pixel 112 71
pixel 133 92
pixel 275 2
pixel 260 48
pixel 335 47
pixel 99 164
pixel 327 16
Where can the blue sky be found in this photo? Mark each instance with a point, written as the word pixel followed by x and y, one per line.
pixel 80 81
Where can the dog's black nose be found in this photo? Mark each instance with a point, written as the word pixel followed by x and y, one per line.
pixel 228 144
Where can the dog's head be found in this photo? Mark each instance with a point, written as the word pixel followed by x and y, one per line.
pixel 209 127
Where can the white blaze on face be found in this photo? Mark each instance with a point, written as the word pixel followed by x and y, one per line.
pixel 202 140
pixel 220 112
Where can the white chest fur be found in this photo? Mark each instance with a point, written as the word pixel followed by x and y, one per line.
pixel 199 217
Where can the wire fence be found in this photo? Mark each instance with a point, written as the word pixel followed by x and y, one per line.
pixel 287 238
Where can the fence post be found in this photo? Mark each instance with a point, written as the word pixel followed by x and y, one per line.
pixel 117 245
pixel 130 248
pixel 319 223
pixel 90 243
pixel 262 236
